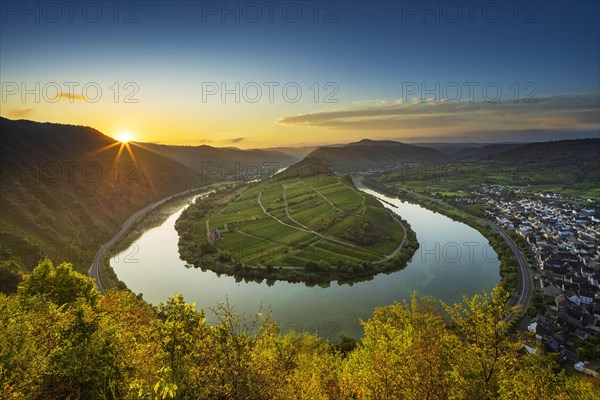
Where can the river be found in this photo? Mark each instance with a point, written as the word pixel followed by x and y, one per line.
pixel 453 260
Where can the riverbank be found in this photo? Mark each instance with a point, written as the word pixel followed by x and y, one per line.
pixel 229 234
pixel 514 270
pixel 101 270
pixel 330 308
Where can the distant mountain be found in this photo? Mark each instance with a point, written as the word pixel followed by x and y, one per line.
pixel 484 152
pixel 470 151
pixel 220 162
pixel 297 152
pixel 373 154
pixel 66 189
pixel 552 154
pixel 308 167
pixel 451 149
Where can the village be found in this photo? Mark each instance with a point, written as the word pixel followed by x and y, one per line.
pixel 562 232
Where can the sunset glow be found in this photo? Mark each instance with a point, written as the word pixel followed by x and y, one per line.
pixel 124 137
pixel 311 83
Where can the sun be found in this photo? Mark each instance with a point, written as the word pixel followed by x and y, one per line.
pixel 124 137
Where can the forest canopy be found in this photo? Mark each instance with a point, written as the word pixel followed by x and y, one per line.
pixel 60 338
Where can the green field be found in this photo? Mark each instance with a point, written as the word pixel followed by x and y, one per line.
pixel 311 228
pixel 460 179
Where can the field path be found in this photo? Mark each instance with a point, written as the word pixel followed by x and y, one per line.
pixel 309 230
pixel 386 258
pixel 305 228
pixel 319 193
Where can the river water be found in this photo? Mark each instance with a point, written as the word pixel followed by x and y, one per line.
pixel 453 260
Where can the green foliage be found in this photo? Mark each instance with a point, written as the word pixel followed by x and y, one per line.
pixel 540 377
pixel 405 353
pixel 59 284
pixel 119 347
pixel 481 324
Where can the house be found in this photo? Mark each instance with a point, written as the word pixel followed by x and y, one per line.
pixel 574 299
pixel 505 223
pixel 596 311
pixel 213 235
pixel 570 320
pixel 551 291
pixel 552 346
pixel 586 297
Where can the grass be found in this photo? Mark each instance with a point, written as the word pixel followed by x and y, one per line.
pixel 461 178
pixel 311 229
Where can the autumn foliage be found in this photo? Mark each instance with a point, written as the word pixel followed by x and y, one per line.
pixel 61 339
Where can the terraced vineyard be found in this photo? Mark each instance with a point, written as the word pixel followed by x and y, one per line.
pixel 318 227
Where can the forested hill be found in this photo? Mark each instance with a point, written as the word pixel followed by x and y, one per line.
pixel 66 188
pixel 373 154
pixel 223 161
pixel 308 167
pixel 552 154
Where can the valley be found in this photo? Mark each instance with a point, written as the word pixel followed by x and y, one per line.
pixel 311 200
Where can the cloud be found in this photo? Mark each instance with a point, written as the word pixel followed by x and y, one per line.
pixel 236 140
pixel 69 96
pixel 530 135
pixel 571 112
pixel 204 141
pixel 20 112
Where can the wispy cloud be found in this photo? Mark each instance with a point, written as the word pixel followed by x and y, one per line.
pixel 66 96
pixel 236 140
pixel 572 112
pixel 20 112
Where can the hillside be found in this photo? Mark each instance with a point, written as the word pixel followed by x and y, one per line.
pixel 372 154
pixel 219 163
pixel 309 226
pixel 552 154
pixel 66 188
pixel 297 152
pixel 484 152
pixel 469 151
pixel 308 167
pixel 450 149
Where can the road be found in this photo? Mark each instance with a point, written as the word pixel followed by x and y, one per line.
pixel 524 283
pixel 95 268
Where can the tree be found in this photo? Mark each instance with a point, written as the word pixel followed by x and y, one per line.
pixel 486 348
pixel 86 361
pixel 538 376
pixel 405 354
pixel 25 338
pixel 180 327
pixel 134 322
pixel 59 284
pixel 83 345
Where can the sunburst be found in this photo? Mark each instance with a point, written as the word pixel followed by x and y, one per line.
pixel 124 139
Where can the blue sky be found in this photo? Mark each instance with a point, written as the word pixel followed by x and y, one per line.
pixel 369 50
